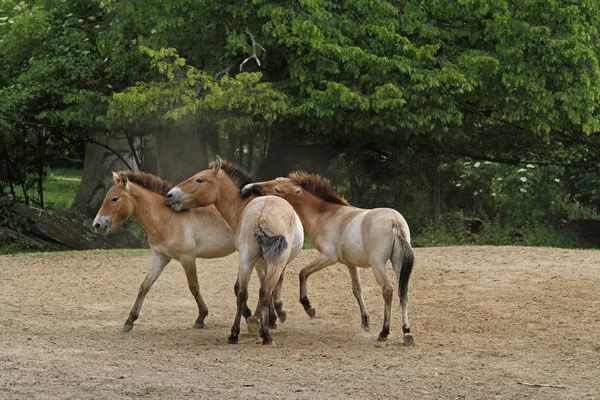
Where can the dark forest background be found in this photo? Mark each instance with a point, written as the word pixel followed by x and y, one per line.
pixel 450 111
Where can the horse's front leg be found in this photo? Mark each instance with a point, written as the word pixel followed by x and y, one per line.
pixel 159 262
pixel 323 261
pixel 357 291
pixel 189 266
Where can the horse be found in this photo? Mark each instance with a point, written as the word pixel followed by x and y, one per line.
pixel 266 232
pixel 353 236
pixel 199 233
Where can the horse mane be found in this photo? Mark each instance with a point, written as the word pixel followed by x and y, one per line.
pixel 239 176
pixel 148 181
pixel 318 186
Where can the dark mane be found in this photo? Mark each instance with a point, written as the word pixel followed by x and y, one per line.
pixel 148 181
pixel 318 186
pixel 239 177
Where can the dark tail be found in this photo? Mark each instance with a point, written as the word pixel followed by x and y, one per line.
pixel 272 245
pixel 402 259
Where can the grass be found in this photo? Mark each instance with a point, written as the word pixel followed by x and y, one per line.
pixel 60 188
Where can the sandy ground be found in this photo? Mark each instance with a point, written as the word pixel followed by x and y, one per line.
pixel 485 320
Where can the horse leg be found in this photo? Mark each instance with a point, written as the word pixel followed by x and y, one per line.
pixel 252 322
pixel 402 260
pixel 388 292
pixel 159 262
pixel 277 301
pixel 266 294
pixel 244 272
pixel 246 312
pixel 272 315
pixel 357 290
pixel 189 266
pixel 314 266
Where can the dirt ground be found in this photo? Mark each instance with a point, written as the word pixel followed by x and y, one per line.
pixel 485 321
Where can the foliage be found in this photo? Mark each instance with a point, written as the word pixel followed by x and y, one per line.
pixel 395 101
pixel 9 218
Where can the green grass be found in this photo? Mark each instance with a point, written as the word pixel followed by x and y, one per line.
pixel 60 188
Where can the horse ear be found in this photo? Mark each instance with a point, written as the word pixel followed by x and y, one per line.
pixel 217 165
pixel 124 181
pixel 115 177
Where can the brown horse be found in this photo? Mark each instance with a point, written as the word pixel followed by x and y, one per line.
pixel 266 232
pixel 200 233
pixel 349 235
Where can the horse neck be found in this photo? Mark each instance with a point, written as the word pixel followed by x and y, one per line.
pixel 149 209
pixel 229 203
pixel 313 212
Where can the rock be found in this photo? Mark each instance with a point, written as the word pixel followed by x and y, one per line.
pixel 52 230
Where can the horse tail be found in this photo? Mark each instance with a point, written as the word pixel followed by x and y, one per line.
pixel 272 246
pixel 403 259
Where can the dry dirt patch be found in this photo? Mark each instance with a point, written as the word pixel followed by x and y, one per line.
pixel 484 319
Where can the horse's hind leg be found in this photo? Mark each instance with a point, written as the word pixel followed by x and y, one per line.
pixel 316 265
pixel 252 321
pixel 189 266
pixel 388 292
pixel 244 271
pixel 277 301
pixel 265 296
pixel 357 290
pixel 159 262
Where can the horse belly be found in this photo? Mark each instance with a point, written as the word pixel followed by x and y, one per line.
pixel 354 256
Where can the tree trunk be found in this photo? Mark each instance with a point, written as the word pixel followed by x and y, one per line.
pixel 181 155
pixel 97 178
pixel 250 152
pixel 231 143
pixel 435 196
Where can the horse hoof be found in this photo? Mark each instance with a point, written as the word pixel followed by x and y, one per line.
pixel 232 339
pixel 253 324
pixel 382 337
pixel 268 341
pixel 408 339
pixel 311 312
pixel 198 325
pixel 272 325
pixel 366 327
pixel 282 316
pixel 127 328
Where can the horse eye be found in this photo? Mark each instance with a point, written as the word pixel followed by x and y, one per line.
pixel 276 189
pixel 199 180
pixel 115 199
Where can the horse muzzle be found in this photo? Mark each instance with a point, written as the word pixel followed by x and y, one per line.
pixel 251 188
pixel 102 224
pixel 175 199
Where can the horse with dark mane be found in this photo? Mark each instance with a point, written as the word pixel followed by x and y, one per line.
pixel 353 236
pixel 266 232
pixel 199 233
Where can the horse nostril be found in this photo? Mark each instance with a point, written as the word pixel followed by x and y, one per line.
pixel 97 225
pixel 169 195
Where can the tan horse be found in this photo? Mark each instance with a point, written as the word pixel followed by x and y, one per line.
pixel 349 235
pixel 200 233
pixel 266 232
